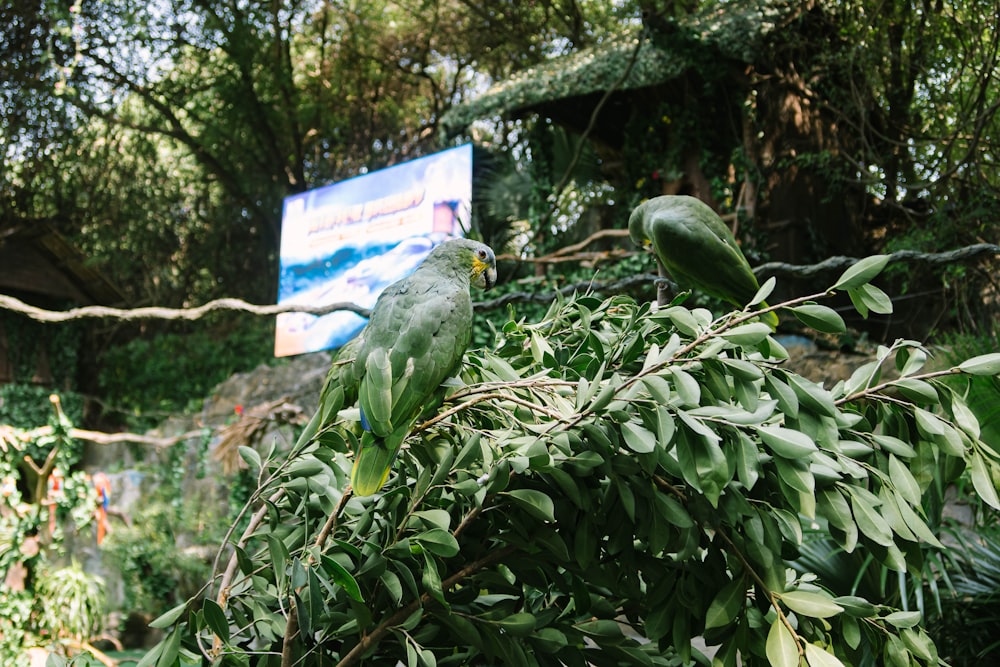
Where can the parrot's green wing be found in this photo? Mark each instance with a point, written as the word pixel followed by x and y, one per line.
pixel 696 248
pixel 339 389
pixel 416 336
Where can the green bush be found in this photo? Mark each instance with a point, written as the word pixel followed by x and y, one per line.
pixel 27 406
pixel 155 573
pixel 606 476
pixel 149 378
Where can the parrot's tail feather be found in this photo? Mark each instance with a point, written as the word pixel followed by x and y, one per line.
pixel 371 467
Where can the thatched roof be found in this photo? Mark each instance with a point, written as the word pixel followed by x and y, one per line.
pixel 732 32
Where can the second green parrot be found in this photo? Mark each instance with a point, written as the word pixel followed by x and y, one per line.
pixel 696 247
pixel 415 338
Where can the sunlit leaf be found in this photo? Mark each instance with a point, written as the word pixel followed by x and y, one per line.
pixel 535 503
pixel 984 364
pixel 861 272
pixel 817 657
pixel 781 649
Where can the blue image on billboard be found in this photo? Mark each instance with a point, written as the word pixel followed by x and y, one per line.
pixel 348 241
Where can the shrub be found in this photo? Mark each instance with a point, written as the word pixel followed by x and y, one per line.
pixel 603 477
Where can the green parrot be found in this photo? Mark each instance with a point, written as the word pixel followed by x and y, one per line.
pixel 696 248
pixel 414 340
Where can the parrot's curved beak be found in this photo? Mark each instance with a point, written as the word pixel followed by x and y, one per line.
pixel 484 274
pixel 486 277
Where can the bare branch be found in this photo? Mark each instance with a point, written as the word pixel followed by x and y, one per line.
pixel 101 438
pixel 153 312
pixel 841 262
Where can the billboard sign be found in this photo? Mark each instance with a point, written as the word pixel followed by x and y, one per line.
pixel 348 241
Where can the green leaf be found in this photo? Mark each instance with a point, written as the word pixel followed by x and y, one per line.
pixel 602 628
pixel 928 424
pixel 431 579
pixel 820 318
pixel 851 631
pixel 520 624
pixel 861 272
pixel 918 526
pixel 786 442
pixel 535 503
pixel 781 649
pixel 747 461
pixel 435 518
pixel 168 618
pixel 637 438
pixel 438 541
pixel 788 402
pixel 894 445
pixel 917 391
pixel 813 396
pixel 250 455
pixel 216 619
pixel 412 659
pixel 984 364
pixel 873 298
pixel 896 653
pixel 813 605
pixel 151 656
pixel 279 553
pixel 856 606
pixel 817 657
pixel 687 387
pixel 658 388
pixel 870 523
pixel 903 619
pixel 682 318
pixel 549 640
pixel 764 291
pixel 982 480
pixel 342 578
pixel 835 508
pixel 920 644
pixel 909 360
pixel 747 335
pixel 903 481
pixel 671 510
pixel 964 418
pixel 392 586
pixel 727 604
pixel 171 649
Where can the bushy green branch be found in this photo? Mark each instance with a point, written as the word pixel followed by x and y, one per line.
pixel 601 487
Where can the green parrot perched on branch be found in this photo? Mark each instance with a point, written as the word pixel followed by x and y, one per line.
pixel 415 339
pixel 696 247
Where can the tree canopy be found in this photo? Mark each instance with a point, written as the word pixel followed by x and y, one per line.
pixel 171 131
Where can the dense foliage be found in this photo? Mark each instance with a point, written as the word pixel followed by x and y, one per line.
pixel 607 475
pixel 160 139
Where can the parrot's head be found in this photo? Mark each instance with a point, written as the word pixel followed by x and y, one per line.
pixel 484 266
pixel 637 227
pixel 466 255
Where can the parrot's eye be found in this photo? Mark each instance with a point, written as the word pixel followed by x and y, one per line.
pixel 482 254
